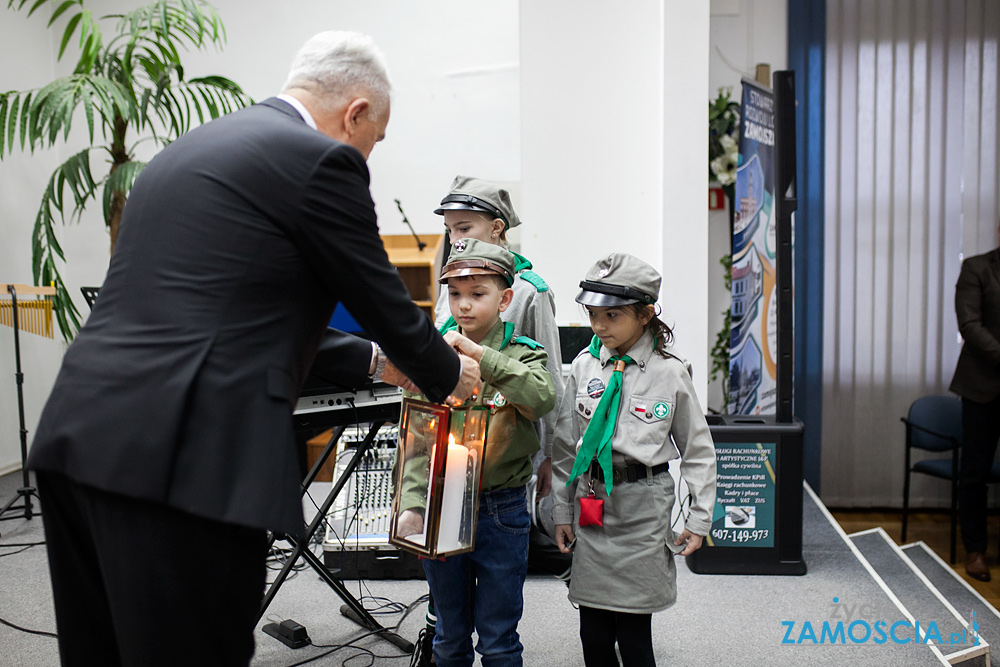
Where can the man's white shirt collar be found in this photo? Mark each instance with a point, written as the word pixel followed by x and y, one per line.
pixel 298 106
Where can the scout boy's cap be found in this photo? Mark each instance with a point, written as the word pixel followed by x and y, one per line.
pixel 471 257
pixel 473 194
pixel 619 279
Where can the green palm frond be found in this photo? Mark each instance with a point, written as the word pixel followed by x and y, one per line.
pixel 82 19
pixel 39 118
pixel 74 175
pixel 120 183
pixel 168 26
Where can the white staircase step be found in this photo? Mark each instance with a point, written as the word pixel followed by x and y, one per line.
pixel 941 623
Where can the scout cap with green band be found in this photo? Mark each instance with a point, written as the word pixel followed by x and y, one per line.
pixel 474 194
pixel 617 280
pixel 471 257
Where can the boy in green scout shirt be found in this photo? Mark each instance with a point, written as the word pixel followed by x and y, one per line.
pixel 482 590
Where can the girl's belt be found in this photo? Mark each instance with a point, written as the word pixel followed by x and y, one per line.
pixel 629 472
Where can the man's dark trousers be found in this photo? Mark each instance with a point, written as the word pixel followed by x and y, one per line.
pixel 980 435
pixel 99 542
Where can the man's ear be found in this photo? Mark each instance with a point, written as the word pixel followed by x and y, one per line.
pixel 506 298
pixel 354 112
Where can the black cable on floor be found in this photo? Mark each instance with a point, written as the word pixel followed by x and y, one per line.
pixel 41 633
pixel 365 653
pixel 24 547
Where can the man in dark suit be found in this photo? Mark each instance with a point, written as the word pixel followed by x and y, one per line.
pixel 166 448
pixel 977 381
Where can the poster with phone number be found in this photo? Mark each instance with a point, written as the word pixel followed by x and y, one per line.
pixel 744 503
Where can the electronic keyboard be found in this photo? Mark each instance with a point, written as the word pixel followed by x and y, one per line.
pixel 324 407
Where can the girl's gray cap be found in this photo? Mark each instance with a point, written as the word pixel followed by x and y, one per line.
pixel 474 194
pixel 619 279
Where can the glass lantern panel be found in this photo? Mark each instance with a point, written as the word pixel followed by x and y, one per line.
pixel 424 425
pixel 462 477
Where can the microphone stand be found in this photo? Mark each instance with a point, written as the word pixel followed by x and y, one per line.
pixel 420 244
pixel 25 493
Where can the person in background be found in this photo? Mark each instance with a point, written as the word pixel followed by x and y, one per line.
pixel 169 427
pixel 482 590
pixel 481 210
pixel 478 209
pixel 628 412
pixel 977 381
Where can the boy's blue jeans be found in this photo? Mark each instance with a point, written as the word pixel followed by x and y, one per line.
pixel 483 590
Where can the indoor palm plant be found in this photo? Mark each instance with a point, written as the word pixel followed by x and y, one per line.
pixel 128 88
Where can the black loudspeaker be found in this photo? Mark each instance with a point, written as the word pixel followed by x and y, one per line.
pixel 757 526
pixel 785 205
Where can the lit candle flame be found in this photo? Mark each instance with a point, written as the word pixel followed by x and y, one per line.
pixel 451 439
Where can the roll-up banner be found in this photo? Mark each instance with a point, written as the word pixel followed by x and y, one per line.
pixel 753 351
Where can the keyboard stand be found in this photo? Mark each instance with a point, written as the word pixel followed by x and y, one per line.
pixel 352 609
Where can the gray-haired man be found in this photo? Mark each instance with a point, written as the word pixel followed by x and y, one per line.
pixel 166 448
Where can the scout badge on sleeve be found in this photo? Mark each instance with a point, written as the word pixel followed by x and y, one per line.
pixel 591 509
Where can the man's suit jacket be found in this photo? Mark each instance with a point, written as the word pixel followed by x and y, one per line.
pixel 237 242
pixel 977 304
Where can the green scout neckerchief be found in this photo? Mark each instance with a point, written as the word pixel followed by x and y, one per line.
pixel 600 430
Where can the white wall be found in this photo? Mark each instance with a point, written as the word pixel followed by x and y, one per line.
pixel 454 67
pixel 743 33
pixel 29 45
pixel 612 118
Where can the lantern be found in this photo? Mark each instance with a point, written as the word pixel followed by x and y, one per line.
pixel 438 471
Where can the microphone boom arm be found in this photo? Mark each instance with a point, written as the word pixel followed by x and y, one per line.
pixel 420 244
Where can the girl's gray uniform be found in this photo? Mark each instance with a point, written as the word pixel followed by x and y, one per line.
pixel 627 565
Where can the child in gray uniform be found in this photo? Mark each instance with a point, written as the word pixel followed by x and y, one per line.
pixel 629 408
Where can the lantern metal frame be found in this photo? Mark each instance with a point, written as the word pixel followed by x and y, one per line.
pixel 469 427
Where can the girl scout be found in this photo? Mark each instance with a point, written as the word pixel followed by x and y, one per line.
pixel 629 409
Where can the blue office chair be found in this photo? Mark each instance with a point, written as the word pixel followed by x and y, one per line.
pixel 934 424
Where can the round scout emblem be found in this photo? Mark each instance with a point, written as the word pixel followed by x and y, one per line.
pixel 595 388
pixel 603 272
pixel 499 400
pixel 661 410
pixel 460 245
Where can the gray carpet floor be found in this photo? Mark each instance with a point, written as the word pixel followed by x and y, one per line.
pixel 718 619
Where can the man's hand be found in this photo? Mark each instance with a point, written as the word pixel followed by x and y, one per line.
pixel 469 381
pixel 544 484
pixel 410 523
pixel 693 542
pixel 463 345
pixel 564 538
pixel 392 375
